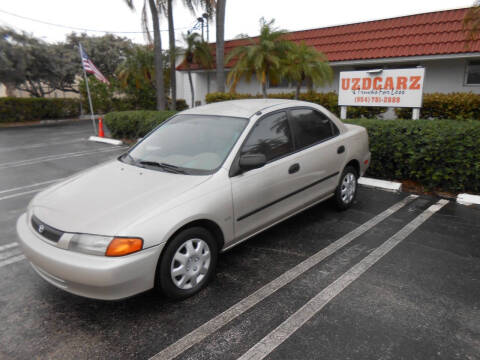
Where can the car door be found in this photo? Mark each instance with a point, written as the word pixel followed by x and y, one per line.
pixel 257 194
pixel 320 151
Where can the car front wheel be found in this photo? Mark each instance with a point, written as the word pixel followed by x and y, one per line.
pixel 346 189
pixel 188 263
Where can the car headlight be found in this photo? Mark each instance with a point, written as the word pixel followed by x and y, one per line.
pixel 104 245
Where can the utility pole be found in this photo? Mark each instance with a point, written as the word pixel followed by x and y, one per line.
pixel 200 20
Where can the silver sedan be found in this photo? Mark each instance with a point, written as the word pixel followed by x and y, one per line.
pixel 202 182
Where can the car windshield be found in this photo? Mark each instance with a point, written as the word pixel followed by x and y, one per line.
pixel 190 144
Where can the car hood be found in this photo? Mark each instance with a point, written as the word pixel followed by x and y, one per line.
pixel 108 197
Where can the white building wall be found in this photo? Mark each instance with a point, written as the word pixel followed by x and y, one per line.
pixel 444 76
pixel 447 76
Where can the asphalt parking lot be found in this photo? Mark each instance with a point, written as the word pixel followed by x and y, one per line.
pixel 394 277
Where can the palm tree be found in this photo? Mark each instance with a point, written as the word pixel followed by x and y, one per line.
pixel 136 77
pixel 155 8
pixel 167 8
pixel 197 52
pixel 471 22
pixel 171 40
pixel 220 39
pixel 305 63
pixel 262 57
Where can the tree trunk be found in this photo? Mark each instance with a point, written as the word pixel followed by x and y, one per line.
pixel 157 42
pixel 171 38
pixel 10 89
pixel 192 92
pixel 264 89
pixel 220 25
pixel 297 90
pixel 208 81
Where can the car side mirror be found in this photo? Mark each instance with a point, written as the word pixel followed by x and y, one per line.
pixel 253 161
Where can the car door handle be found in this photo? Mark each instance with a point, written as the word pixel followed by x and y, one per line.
pixel 294 168
pixel 341 149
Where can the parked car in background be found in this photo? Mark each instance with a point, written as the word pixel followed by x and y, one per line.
pixel 202 182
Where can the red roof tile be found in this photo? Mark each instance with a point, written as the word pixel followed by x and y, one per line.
pixel 435 33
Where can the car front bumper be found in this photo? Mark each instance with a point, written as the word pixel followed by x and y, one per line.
pixel 98 277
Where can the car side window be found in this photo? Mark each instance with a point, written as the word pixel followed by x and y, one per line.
pixel 270 136
pixel 310 127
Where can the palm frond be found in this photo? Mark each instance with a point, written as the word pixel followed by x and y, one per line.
pixel 130 4
pixel 145 23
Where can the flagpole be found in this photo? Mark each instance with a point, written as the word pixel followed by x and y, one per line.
pixel 88 90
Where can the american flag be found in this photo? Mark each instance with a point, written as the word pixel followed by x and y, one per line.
pixel 90 68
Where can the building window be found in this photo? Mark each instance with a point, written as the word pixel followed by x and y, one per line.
pixel 472 77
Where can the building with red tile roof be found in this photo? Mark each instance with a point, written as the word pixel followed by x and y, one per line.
pixel 435 40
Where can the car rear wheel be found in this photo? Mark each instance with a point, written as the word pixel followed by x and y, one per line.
pixel 347 188
pixel 188 263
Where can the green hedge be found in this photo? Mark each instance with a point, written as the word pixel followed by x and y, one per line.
pixel 29 109
pixel 328 100
pixel 440 155
pixel 134 124
pixel 459 106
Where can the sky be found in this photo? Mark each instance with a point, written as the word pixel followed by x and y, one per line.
pixel 242 16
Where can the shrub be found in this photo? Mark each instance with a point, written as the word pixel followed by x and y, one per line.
pixel 328 100
pixel 102 96
pixel 181 104
pixel 440 154
pixel 28 109
pixel 458 106
pixel 134 124
pixel 219 96
pixel 107 98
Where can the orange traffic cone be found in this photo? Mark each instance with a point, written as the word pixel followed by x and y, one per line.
pixel 100 128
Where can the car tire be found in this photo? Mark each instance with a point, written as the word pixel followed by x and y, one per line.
pixel 346 190
pixel 187 263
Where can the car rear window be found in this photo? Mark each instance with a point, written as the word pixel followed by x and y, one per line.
pixel 310 127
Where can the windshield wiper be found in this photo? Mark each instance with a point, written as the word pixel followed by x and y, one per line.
pixel 164 166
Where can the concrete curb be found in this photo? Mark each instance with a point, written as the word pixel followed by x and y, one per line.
pixel 58 121
pixel 105 140
pixel 468 199
pixel 380 184
pixel 463 199
pixel 46 122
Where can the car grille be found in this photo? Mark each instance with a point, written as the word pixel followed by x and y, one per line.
pixel 45 230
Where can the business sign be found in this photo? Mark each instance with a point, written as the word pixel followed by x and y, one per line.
pixel 389 88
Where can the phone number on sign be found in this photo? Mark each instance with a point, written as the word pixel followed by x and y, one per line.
pixel 378 99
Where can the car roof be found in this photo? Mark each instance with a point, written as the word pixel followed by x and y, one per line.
pixel 241 108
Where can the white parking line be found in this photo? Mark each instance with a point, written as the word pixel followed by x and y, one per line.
pixel 12 260
pixel 34 146
pixel 270 342
pixel 58 157
pixel 8 246
pixel 9 254
pixel 243 305
pixel 21 193
pixel 30 186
